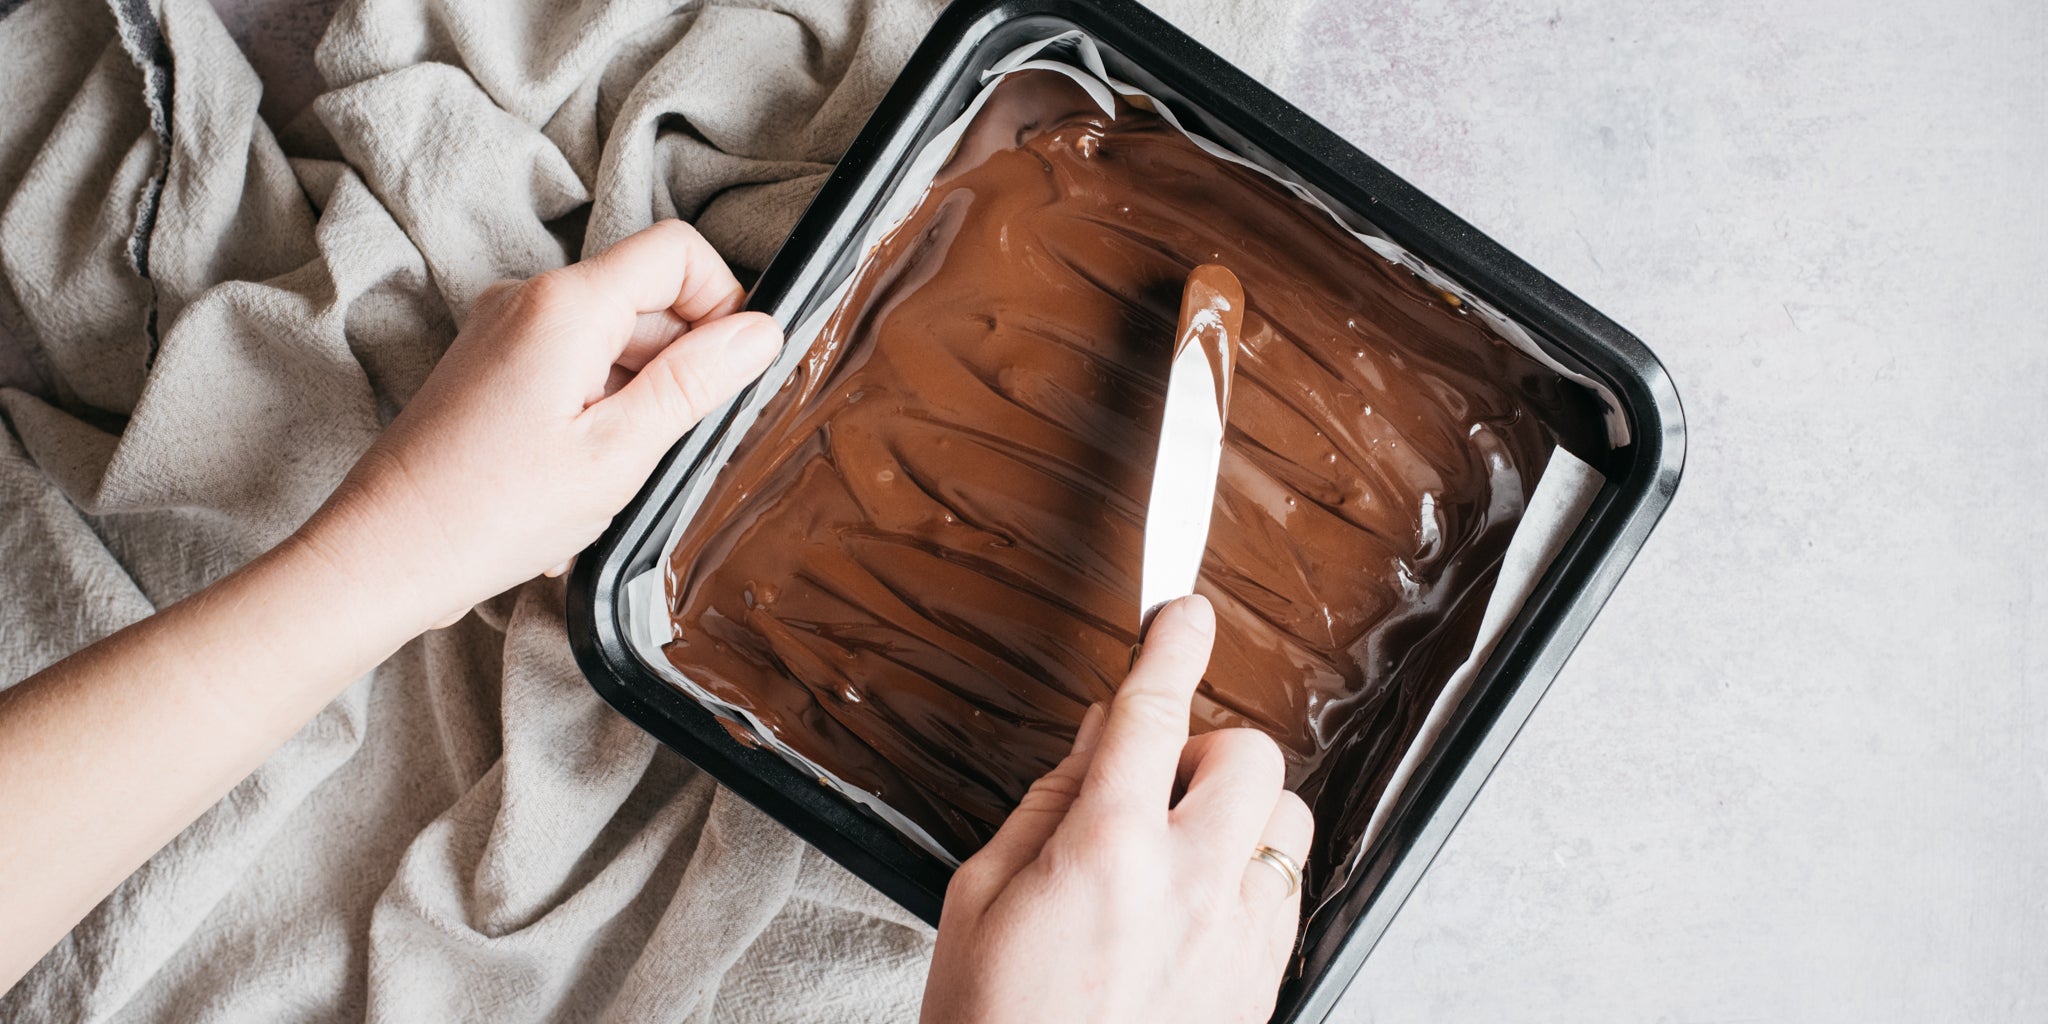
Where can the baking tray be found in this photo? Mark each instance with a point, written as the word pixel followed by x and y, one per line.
pixel 1220 101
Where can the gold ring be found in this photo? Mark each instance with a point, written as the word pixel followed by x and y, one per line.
pixel 1289 868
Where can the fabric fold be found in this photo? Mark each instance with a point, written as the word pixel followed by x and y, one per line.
pixel 216 319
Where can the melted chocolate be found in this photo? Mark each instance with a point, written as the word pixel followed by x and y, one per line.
pixel 1212 316
pixel 921 565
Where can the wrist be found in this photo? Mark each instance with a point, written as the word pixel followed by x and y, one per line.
pixel 375 564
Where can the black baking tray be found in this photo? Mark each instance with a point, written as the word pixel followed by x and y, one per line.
pixel 1216 99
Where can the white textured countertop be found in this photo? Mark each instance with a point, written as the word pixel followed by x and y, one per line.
pixel 1798 771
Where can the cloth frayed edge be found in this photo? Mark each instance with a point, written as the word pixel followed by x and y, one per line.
pixel 142 35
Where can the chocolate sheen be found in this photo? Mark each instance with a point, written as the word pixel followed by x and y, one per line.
pixel 1212 316
pixel 921 564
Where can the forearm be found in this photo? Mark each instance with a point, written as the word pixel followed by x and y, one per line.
pixel 113 751
pixel 541 420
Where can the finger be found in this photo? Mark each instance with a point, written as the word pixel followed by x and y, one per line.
pixel 666 266
pixel 1147 725
pixel 1230 794
pixel 1045 804
pixel 1289 828
pixel 493 299
pixel 560 569
pixel 1191 754
pixel 652 332
pixel 690 378
pixel 615 378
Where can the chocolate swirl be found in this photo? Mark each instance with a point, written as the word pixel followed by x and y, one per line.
pixel 921 565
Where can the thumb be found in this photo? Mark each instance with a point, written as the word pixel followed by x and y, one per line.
pixel 691 377
pixel 1038 815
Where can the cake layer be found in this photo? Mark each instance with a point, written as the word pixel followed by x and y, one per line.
pixel 921 565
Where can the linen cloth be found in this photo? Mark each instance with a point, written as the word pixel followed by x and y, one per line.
pixel 220 318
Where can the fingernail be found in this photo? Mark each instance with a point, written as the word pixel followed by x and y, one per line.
pixel 1091 729
pixel 1196 611
pixel 760 328
pixel 759 342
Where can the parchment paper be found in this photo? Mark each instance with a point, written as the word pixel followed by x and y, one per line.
pixel 1561 497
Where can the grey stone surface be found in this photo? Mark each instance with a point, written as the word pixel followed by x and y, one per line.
pixel 1799 769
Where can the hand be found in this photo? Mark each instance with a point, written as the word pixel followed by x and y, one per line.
pixel 1101 899
pixel 545 416
pixel 548 411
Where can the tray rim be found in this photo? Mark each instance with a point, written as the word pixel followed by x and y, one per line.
pixel 1643 476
